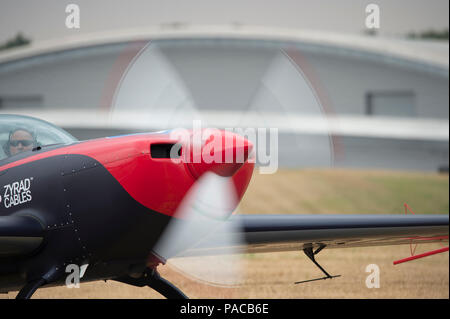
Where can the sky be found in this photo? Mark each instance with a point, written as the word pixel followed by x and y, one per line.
pixel 45 19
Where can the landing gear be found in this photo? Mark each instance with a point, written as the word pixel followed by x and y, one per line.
pixel 30 288
pixel 151 278
pixel 310 253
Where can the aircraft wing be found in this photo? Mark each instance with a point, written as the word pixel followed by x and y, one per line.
pixel 273 233
pixel 19 235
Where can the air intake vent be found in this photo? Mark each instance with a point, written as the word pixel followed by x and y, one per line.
pixel 163 150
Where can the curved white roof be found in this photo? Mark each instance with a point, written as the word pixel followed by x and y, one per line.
pixel 432 55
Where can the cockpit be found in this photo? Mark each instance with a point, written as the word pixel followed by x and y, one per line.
pixel 21 135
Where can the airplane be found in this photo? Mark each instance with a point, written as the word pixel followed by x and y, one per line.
pixel 121 206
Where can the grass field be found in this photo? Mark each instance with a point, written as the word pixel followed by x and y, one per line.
pixel 318 192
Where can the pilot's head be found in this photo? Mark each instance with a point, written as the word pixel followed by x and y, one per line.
pixel 20 140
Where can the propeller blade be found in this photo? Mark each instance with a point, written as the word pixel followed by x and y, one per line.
pixel 206 206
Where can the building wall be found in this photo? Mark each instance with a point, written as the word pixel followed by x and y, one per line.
pixel 348 80
pixel 228 76
pixel 70 80
pixel 220 76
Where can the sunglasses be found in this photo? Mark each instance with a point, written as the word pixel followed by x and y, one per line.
pixel 16 143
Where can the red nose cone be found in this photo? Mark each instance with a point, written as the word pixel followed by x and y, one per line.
pixel 223 153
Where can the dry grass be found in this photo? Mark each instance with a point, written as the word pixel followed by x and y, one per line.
pixel 346 191
pixel 317 191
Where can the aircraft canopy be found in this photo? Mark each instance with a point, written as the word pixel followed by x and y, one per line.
pixel 41 133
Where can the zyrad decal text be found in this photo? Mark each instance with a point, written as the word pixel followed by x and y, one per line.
pixel 17 193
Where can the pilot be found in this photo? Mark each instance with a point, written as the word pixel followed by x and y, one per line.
pixel 20 140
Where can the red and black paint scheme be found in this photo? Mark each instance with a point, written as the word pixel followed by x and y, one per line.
pixel 106 202
pixel 103 202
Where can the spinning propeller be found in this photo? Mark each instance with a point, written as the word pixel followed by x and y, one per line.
pixel 279 89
